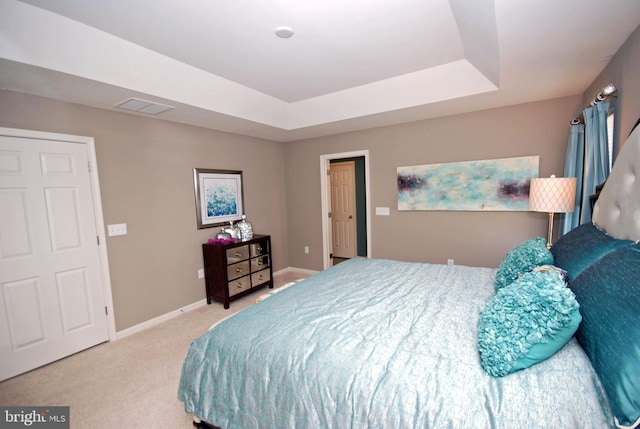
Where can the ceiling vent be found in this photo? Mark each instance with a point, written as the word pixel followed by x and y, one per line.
pixel 144 106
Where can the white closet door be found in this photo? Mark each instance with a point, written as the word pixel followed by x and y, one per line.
pixel 52 300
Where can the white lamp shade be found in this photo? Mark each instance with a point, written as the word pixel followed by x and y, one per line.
pixel 552 194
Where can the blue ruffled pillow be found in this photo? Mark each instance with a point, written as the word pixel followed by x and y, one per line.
pixel 582 246
pixel 526 322
pixel 522 259
pixel 609 296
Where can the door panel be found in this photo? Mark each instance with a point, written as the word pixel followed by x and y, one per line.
pixel 52 302
pixel 73 295
pixel 343 209
pixel 25 315
pixel 15 237
pixel 62 211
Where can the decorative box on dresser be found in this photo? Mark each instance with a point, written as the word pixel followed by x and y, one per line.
pixel 232 270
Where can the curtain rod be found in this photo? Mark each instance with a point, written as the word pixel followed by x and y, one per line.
pixel 606 92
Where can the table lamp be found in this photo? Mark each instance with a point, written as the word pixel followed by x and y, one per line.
pixel 552 195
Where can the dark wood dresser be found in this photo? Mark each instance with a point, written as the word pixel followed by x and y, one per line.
pixel 232 270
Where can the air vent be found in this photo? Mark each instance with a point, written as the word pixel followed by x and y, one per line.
pixel 144 106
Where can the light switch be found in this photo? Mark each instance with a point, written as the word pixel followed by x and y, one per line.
pixel 382 211
pixel 117 229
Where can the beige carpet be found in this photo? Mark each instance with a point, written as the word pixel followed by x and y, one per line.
pixel 128 383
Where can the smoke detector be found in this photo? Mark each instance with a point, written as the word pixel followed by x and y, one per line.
pixel 284 32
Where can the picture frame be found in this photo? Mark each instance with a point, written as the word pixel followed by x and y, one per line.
pixel 487 185
pixel 219 196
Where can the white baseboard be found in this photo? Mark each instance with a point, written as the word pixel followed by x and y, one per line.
pixel 294 270
pixel 203 302
pixel 157 320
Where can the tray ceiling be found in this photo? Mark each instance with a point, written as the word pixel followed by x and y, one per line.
pixel 349 64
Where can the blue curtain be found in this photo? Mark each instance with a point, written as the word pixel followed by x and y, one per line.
pixel 596 154
pixel 588 160
pixel 573 167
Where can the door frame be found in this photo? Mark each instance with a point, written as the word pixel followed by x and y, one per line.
pixel 326 202
pixel 96 197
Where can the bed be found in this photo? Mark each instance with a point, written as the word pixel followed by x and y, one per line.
pixel 550 339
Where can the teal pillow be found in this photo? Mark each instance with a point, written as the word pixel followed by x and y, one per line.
pixel 609 296
pixel 522 259
pixel 582 246
pixel 526 322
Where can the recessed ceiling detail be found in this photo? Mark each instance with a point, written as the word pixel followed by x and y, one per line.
pixel 353 65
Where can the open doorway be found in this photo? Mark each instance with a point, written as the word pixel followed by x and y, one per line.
pixel 346 227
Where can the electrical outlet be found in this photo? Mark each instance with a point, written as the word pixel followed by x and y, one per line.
pixel 306 249
pixel 201 273
pixel 450 261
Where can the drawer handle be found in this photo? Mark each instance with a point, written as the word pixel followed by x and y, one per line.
pixel 239 285
pixel 238 254
pixel 260 277
pixel 238 270
pixel 259 247
pixel 259 263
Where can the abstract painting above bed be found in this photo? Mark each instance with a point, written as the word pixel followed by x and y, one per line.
pixel 379 344
pixel 490 184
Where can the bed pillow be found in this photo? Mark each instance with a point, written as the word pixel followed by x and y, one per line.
pixel 609 296
pixel 522 259
pixel 582 246
pixel 526 322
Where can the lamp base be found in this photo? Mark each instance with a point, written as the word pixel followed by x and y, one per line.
pixel 550 233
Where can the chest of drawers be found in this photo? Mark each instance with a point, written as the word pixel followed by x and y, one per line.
pixel 232 270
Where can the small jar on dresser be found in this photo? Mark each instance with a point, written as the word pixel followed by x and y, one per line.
pixel 232 270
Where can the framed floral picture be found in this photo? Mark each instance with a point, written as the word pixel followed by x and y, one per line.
pixel 219 197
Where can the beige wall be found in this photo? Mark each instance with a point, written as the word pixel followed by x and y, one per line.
pixel 471 238
pixel 145 172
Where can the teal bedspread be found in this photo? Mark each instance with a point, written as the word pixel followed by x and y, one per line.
pixel 379 344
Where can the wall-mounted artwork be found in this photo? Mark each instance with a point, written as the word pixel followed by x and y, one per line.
pixel 218 196
pixel 494 184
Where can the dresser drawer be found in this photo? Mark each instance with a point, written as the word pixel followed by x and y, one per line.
pixel 239 285
pixel 259 263
pixel 260 277
pixel 258 249
pixel 238 270
pixel 237 254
